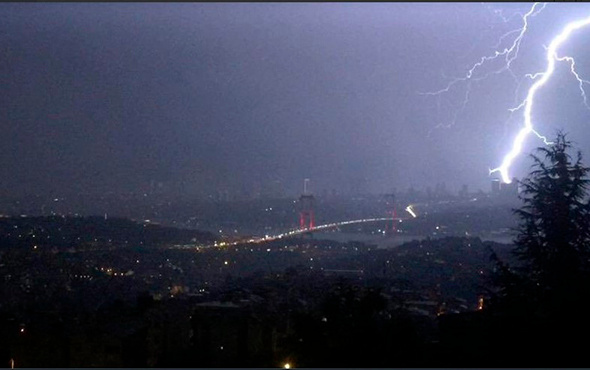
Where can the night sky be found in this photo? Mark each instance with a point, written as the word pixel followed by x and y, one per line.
pixel 195 97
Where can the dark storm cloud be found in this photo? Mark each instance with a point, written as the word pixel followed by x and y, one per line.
pixel 198 96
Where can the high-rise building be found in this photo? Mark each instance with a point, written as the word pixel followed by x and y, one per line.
pixel 495 186
pixel 510 189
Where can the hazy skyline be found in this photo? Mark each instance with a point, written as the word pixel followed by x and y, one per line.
pixel 201 96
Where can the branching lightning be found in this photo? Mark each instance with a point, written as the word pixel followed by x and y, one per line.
pixel 510 54
pixel 540 80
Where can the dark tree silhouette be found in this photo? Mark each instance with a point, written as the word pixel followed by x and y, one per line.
pixel 553 237
pixel 543 299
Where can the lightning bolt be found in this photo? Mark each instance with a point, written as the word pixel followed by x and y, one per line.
pixel 509 55
pixel 541 78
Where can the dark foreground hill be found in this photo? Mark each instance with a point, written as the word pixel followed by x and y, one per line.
pixel 78 232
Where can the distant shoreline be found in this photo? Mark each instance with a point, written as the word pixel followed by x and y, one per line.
pixel 394 241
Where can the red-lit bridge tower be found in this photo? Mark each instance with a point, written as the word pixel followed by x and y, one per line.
pixel 391 212
pixel 306 202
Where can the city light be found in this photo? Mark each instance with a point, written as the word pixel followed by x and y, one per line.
pixel 287 365
pixel 295 232
pixel 411 211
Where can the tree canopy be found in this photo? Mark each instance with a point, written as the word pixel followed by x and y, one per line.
pixel 543 297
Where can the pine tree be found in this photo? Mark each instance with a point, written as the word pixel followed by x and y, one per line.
pixel 544 298
pixel 553 240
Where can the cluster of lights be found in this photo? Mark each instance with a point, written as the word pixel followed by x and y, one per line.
pixel 267 238
pixel 109 271
pixel 326 226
